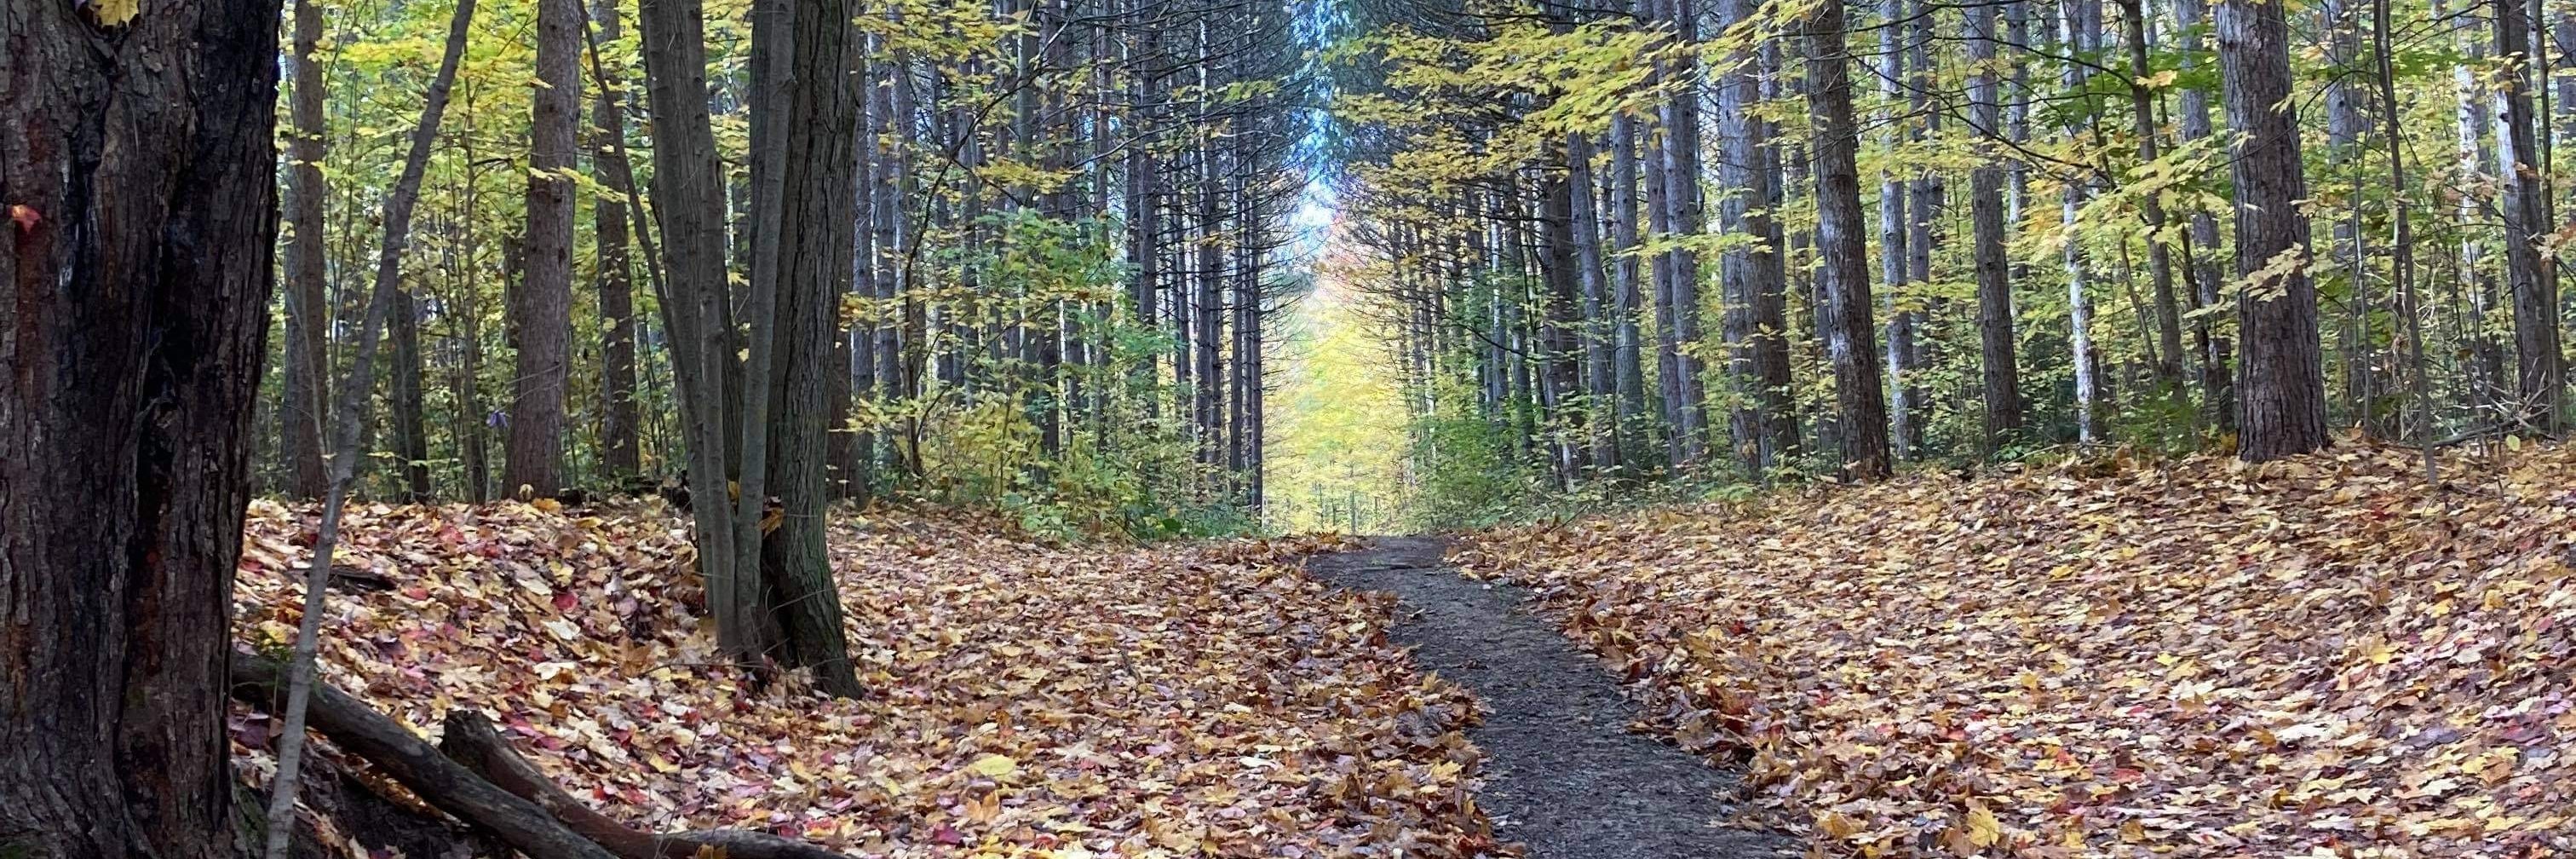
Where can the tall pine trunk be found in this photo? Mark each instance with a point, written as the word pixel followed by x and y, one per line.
pixel 2281 399
pixel 1860 401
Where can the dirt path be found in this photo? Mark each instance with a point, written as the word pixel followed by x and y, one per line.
pixel 1562 771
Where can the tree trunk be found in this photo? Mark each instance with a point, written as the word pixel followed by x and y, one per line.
pixel 621 450
pixel 2529 273
pixel 688 194
pixel 1859 399
pixel 2218 398
pixel 2281 400
pixel 139 189
pixel 1629 294
pixel 411 430
pixel 816 238
pixel 543 312
pixel 2168 307
pixel 1998 349
pixel 1892 232
pixel 308 306
pixel 2076 32
pixel 1599 381
pixel 1755 325
pixel 1680 116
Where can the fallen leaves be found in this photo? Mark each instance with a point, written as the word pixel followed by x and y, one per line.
pixel 1025 700
pixel 2316 657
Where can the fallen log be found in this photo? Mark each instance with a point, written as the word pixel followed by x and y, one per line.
pixel 358 729
pixel 476 776
pixel 473 741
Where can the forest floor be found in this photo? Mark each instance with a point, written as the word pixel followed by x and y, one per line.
pixel 1026 700
pixel 1563 772
pixel 2319 657
pixel 2103 658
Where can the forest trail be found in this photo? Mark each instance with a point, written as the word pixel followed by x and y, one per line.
pixel 1562 773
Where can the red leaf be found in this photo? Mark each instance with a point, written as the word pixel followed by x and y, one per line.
pixel 25 215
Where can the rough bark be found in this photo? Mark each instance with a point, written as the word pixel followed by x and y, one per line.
pixel 1892 233
pixel 2281 398
pixel 410 410
pixel 816 239
pixel 139 189
pixel 1859 399
pixel 1755 325
pixel 1599 382
pixel 1681 200
pixel 689 204
pixel 1629 297
pixel 543 310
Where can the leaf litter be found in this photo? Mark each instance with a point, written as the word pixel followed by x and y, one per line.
pixel 1025 700
pixel 2317 657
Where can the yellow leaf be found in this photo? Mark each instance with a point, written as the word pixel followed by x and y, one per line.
pixel 993 766
pixel 111 13
pixel 1983 829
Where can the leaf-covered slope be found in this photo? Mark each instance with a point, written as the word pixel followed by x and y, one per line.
pixel 2205 660
pixel 1026 700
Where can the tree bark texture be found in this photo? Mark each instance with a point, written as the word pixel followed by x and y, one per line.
pixel 138 177
pixel 2281 397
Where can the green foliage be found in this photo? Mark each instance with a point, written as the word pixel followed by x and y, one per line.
pixel 1119 469
pixel 1467 474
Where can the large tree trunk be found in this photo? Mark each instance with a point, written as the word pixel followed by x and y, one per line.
pixel 138 186
pixel 308 306
pixel 817 238
pixel 2281 402
pixel 543 311
pixel 1860 401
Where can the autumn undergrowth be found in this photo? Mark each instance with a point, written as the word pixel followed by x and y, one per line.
pixel 2322 656
pixel 1024 698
